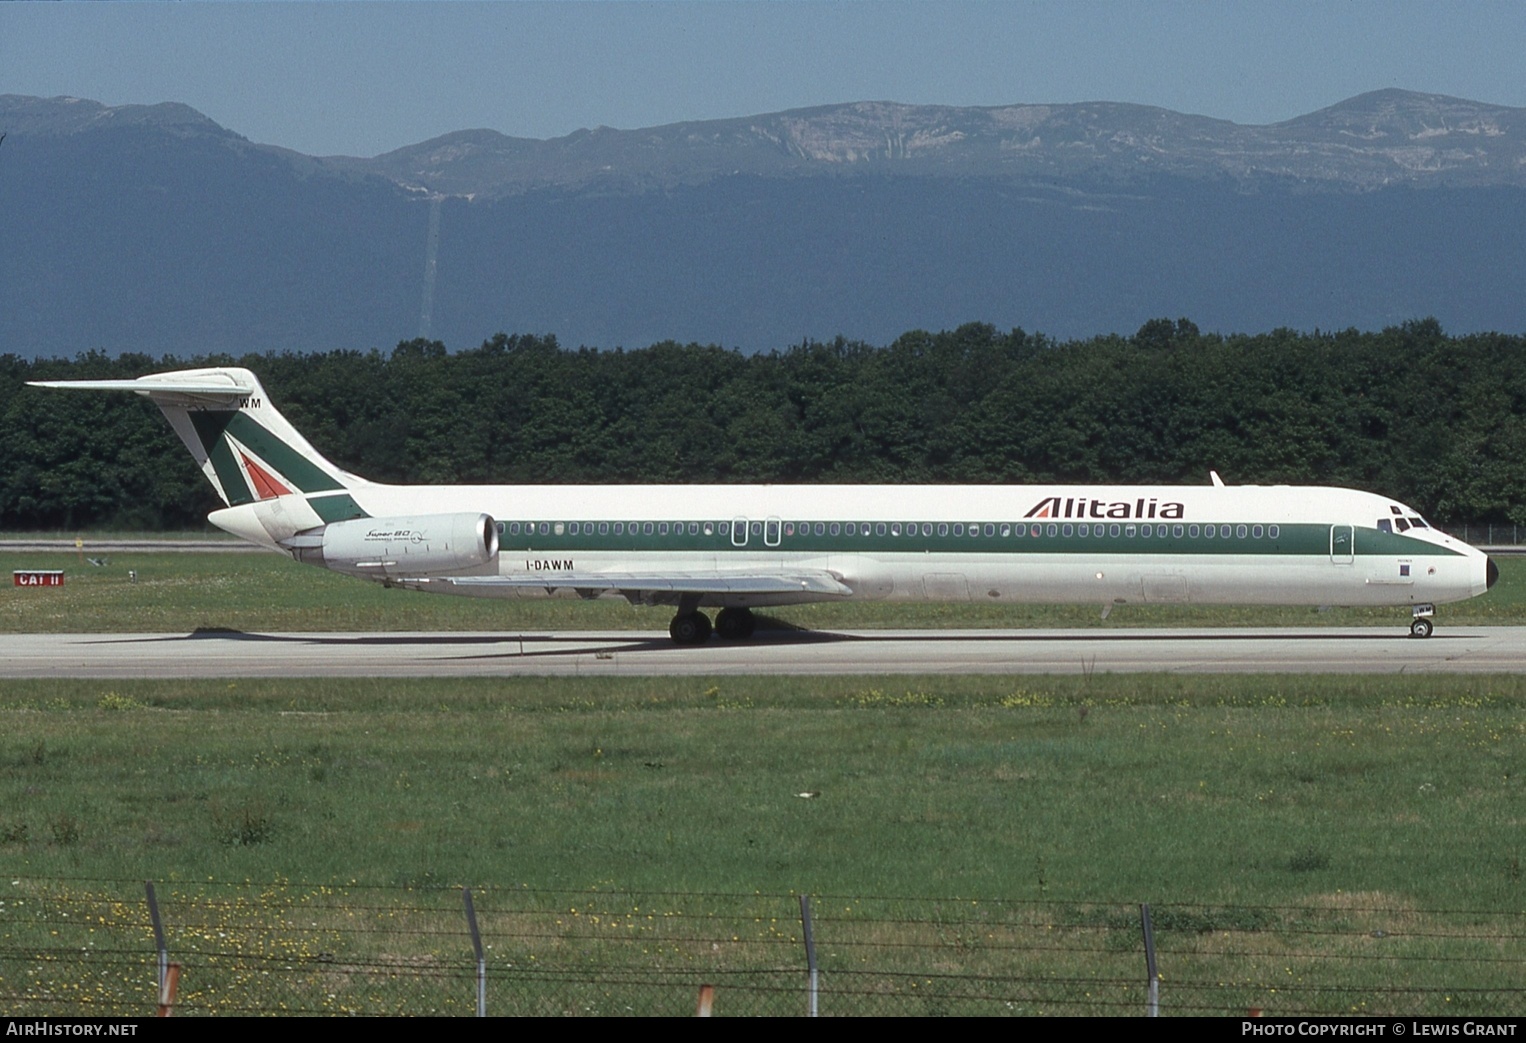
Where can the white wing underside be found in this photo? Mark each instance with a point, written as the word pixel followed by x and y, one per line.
pixel 796 582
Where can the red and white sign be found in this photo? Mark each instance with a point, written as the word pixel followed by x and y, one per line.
pixel 38 577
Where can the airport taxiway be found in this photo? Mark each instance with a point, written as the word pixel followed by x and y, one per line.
pixel 1374 650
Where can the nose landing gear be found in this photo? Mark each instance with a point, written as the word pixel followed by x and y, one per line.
pixel 1421 625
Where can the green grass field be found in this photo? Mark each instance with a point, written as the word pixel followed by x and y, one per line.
pixel 1262 789
pixel 1364 802
pixel 1292 819
pixel 269 592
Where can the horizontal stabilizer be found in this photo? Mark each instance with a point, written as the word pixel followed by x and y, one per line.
pixel 809 582
pixel 219 386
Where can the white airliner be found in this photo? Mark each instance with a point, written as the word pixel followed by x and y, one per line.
pixel 737 547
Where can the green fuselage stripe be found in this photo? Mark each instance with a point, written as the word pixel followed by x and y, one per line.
pixel 1297 540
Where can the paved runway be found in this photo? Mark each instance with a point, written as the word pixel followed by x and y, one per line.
pixel 231 654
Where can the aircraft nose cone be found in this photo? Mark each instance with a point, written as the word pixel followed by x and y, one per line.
pixel 1491 573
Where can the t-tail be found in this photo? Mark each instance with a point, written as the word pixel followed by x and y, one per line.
pixel 275 484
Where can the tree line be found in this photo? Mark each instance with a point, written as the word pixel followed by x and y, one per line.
pixel 1434 420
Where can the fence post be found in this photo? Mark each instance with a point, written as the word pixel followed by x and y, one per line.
pixel 810 955
pixel 164 952
pixel 471 922
pixel 1153 993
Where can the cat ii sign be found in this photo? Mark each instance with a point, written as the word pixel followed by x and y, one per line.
pixel 38 577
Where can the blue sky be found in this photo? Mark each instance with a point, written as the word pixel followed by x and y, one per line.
pixel 361 78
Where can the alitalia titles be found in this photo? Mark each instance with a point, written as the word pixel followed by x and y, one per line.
pixel 1083 507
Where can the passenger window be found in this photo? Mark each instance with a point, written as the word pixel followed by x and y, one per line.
pixel 821 528
pixel 1083 530
pixel 1176 531
pixel 1272 531
pixel 1208 532
pixel 1068 530
pixel 1192 531
pixel 1224 531
pixel 879 529
pixel 1240 531
pixel 1145 531
pixel 1054 530
pixel 836 529
pixel 1256 532
pixel 724 528
pixel 1006 530
pixel 1128 530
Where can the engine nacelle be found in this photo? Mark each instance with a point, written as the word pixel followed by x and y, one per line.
pixel 431 544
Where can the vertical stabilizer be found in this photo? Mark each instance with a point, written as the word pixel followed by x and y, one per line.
pixel 245 447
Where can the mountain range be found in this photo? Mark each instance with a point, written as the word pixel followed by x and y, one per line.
pixel 154 229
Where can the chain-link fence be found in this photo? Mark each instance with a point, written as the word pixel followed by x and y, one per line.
pixel 1489 534
pixel 90 947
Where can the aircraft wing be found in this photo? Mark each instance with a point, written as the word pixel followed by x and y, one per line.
pixel 809 581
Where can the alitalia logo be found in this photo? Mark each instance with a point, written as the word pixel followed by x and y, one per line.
pixel 1082 507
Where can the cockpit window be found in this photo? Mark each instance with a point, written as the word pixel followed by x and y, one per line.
pixel 1401 524
pixel 1384 525
pixel 1419 523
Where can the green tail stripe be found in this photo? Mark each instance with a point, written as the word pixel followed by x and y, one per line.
pixel 307 476
pixel 209 428
pixel 336 508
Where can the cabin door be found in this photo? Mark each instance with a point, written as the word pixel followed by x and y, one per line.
pixel 1342 546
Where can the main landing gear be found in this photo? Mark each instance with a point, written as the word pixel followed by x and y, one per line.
pixel 692 627
pixel 1421 625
